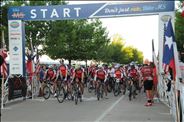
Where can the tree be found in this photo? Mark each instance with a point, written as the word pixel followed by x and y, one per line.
pixel 4 19
pixel 132 54
pixel 117 52
pixel 75 39
pixel 179 30
pixel 113 51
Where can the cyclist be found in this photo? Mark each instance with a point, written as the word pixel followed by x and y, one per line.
pixel 118 74
pixel 50 75
pixel 133 75
pixel 78 77
pixel 63 71
pixel 111 76
pixel 101 76
pixel 92 71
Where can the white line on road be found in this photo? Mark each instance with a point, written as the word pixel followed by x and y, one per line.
pixel 109 109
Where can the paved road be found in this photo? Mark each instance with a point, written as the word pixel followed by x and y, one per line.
pixel 111 109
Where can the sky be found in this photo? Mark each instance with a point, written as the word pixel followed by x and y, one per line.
pixel 137 31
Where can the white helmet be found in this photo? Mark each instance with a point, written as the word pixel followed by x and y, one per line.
pixel 50 66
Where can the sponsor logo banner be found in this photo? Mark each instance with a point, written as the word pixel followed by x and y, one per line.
pixel 15 46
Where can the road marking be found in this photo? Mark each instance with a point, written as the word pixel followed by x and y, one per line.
pixel 109 109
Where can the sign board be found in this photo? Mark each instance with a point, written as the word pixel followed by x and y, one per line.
pixel 85 11
pixel 15 46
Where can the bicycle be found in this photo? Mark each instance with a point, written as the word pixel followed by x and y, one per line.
pixel 48 89
pixel 63 92
pixel 131 88
pixel 77 93
pixel 100 89
pixel 90 85
pixel 117 87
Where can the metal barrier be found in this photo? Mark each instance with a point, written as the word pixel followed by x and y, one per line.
pixel 32 87
pixel 170 97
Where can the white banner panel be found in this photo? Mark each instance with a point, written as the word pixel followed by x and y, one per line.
pixel 15 46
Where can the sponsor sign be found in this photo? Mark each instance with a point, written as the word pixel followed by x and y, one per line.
pixel 15 46
pixel 84 11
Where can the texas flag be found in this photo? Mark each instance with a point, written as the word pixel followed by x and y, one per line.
pixel 168 54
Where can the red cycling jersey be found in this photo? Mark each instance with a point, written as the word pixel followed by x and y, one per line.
pixel 133 73
pixel 147 73
pixel 50 73
pixel 100 74
pixel 118 74
pixel 79 72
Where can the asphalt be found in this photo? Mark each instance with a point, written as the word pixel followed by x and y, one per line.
pixel 89 110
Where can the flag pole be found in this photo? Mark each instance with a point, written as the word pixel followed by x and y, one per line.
pixel 178 76
pixel 2 93
pixel 2 84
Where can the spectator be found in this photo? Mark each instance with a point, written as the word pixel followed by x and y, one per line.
pixel 155 81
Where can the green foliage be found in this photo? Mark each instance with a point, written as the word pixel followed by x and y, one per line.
pixel 75 39
pixel 4 19
pixel 117 52
pixel 179 30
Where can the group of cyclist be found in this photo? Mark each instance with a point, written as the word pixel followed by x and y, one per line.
pixel 128 75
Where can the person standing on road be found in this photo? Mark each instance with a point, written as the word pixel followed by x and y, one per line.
pixel 41 78
pixel 147 74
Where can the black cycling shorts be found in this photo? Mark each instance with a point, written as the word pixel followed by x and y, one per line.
pixel 148 84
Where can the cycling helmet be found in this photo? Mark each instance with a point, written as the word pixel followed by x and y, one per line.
pixel 77 66
pixel 100 66
pixel 50 66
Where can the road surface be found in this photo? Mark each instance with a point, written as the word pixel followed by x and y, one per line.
pixel 90 110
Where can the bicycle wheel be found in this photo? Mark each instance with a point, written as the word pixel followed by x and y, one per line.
pixel 109 88
pixel 98 94
pixel 102 90
pixel 98 91
pixel 90 88
pixel 46 92
pixel 60 94
pixel 130 92
pixel 76 93
pixel 116 87
pixel 76 97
